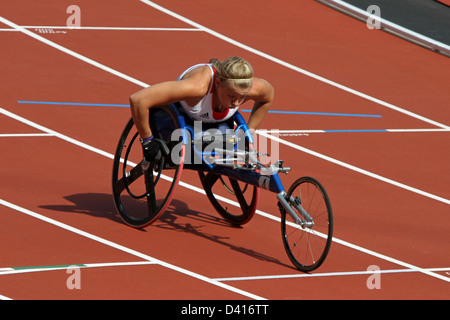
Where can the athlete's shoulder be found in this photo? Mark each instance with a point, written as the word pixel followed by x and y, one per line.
pixel 199 77
pixel 261 88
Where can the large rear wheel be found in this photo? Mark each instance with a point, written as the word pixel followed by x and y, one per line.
pixel 143 191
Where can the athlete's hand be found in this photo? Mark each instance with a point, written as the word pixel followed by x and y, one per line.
pixel 154 150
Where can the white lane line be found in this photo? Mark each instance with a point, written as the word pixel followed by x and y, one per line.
pixel 329 274
pixel 15 270
pixel 388 25
pixel 129 251
pixel 226 39
pixel 72 53
pixel 56 134
pixel 234 203
pixel 291 66
pixel 126 77
pixel 119 74
pixel 111 28
pixel 42 28
pixel 21 135
pixel 354 168
pixel 277 131
pixel 366 251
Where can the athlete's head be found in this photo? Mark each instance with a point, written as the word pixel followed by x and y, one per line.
pixel 234 80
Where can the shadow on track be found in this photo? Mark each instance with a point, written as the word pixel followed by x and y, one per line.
pixel 101 205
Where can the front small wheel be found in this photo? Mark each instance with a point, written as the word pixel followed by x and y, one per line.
pixel 307 242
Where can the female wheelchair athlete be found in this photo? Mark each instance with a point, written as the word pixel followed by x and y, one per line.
pixel 142 191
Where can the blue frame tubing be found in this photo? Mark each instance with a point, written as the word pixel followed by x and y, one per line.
pixel 268 182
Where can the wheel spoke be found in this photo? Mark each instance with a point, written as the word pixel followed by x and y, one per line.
pixel 134 174
pixel 239 195
pixel 150 188
pixel 209 180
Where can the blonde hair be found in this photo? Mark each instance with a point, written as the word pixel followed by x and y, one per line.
pixel 234 71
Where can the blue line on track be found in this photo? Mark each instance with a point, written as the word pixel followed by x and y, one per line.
pixel 243 110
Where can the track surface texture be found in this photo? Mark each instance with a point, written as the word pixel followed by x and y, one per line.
pixel 361 110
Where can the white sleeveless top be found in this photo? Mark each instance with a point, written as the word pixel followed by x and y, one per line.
pixel 204 111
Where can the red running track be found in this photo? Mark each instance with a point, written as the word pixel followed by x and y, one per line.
pixel 388 189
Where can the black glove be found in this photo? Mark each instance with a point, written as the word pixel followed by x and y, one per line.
pixel 154 150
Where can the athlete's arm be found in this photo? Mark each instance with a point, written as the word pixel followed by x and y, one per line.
pixel 262 93
pixel 162 94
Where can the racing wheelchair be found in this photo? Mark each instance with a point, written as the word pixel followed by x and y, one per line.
pixel 228 166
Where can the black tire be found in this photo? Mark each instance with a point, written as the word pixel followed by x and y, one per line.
pixel 142 192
